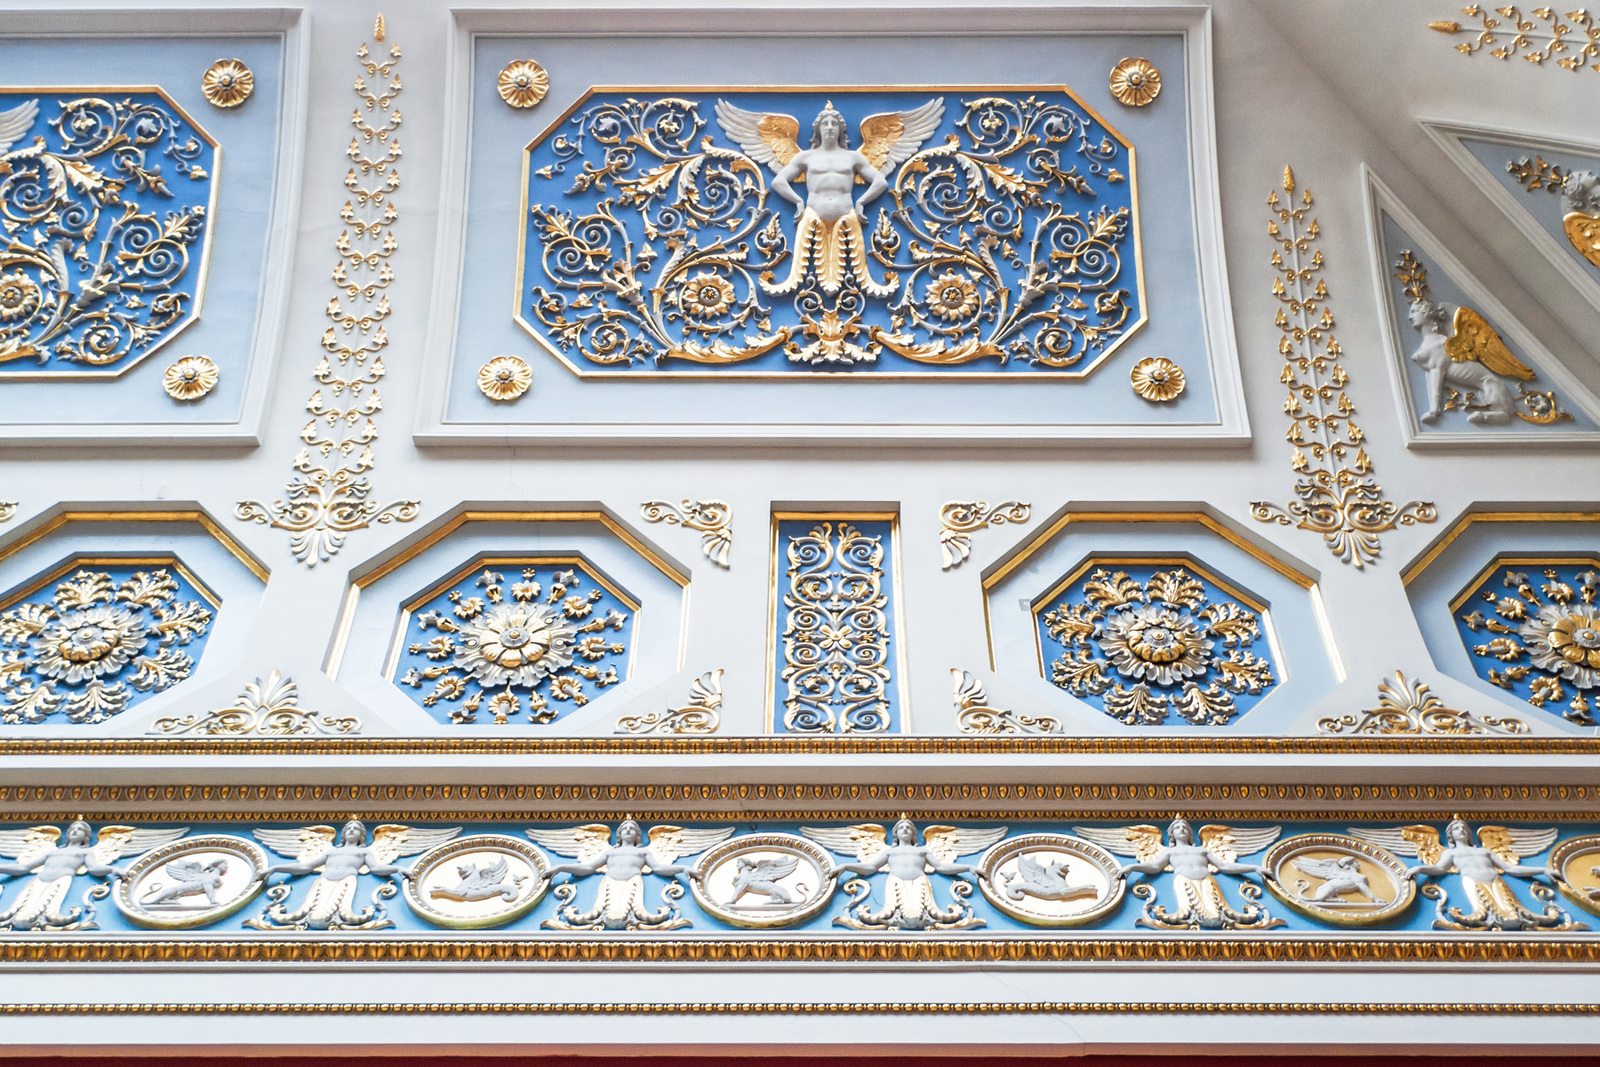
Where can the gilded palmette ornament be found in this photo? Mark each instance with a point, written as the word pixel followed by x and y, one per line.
pixel 54 862
pixel 1543 34
pixel 227 83
pixel 268 708
pixel 619 903
pixel 699 716
pixel 909 900
pixel 1338 498
pixel 713 518
pixel 975 716
pixel 328 496
pixel 1483 868
pixel 191 378
pixel 1406 707
pixel 1202 905
pixel 960 518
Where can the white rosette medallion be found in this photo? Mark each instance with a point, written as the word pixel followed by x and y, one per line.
pixel 763 880
pixel 1337 879
pixel 1051 879
pixel 192 881
pixel 478 881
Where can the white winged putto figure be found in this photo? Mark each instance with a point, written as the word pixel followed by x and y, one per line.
pixel 909 902
pixel 619 904
pixel 338 866
pixel 39 851
pixel 1492 904
pixel 1201 902
pixel 829 239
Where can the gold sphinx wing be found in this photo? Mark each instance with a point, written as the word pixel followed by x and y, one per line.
pixel 1475 341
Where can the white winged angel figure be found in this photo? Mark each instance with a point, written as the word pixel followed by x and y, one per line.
pixel 338 866
pixel 829 239
pixel 619 903
pixel 1201 903
pixel 40 851
pixel 909 902
pixel 1499 851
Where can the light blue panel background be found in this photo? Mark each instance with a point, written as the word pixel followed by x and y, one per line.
pixel 494 217
pixel 1457 568
pixel 1291 629
pixel 1418 918
pixel 1442 289
pixel 1542 204
pixel 373 629
pixel 237 590
pixel 248 136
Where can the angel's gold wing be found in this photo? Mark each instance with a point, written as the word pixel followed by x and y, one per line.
pixel 1417 840
pixel 1583 231
pixel 1228 843
pixel 670 842
pixel 115 842
pixel 1510 845
pixel 1142 842
pixel 889 138
pixel 864 840
pixel 948 842
pixel 766 137
pixel 1475 341
pixel 300 845
pixel 393 840
pixel 585 843
pixel 27 845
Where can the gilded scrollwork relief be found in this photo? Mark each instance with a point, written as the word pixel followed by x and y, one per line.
pixel 699 716
pixel 1146 640
pixel 486 648
pixel 329 495
pixel 1570 42
pixel 989 230
pixel 713 518
pixel 1533 628
pixel 99 640
pixel 959 519
pixel 105 202
pixel 975 715
pixel 269 708
pixel 1338 497
pixel 1407 707
pixel 1580 200
pixel 836 642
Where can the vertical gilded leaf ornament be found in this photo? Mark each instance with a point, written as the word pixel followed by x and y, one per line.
pixel 1338 498
pixel 327 497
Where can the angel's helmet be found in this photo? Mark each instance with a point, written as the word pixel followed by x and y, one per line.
pixel 1458 832
pixel 1425 313
pixel 828 112
pixel 629 833
pixel 354 827
pixel 1180 831
pixel 79 833
pixel 905 832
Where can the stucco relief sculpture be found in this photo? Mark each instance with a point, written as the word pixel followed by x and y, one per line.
pixel 1483 867
pixel 764 880
pixel 619 903
pixel 1202 905
pixel 1051 879
pixel 1469 367
pixel 1000 237
pixel 1141 642
pixel 269 708
pixel 975 715
pixel 54 862
pixel 338 858
pixel 97 645
pixel 1540 621
pixel 98 266
pixel 191 882
pixel 1407 707
pixel 960 519
pixel 712 518
pixel 909 899
pixel 1580 200
pixel 1339 880
pixel 483 880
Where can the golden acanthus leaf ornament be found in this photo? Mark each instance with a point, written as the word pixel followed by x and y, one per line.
pixel 227 83
pixel 190 378
pixel 523 83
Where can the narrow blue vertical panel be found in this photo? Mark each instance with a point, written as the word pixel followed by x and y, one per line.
pixel 835 651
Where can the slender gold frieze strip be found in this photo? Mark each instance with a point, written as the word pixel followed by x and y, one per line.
pixel 1571 44
pixel 713 518
pixel 812 1007
pixel 1338 498
pixel 1406 707
pixel 327 496
pixel 1136 948
pixel 960 518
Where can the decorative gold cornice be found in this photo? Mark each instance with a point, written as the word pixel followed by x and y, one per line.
pixel 1135 948
pixel 1338 498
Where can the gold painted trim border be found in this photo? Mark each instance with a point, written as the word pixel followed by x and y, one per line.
pixel 802 1007
pixel 1465 522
